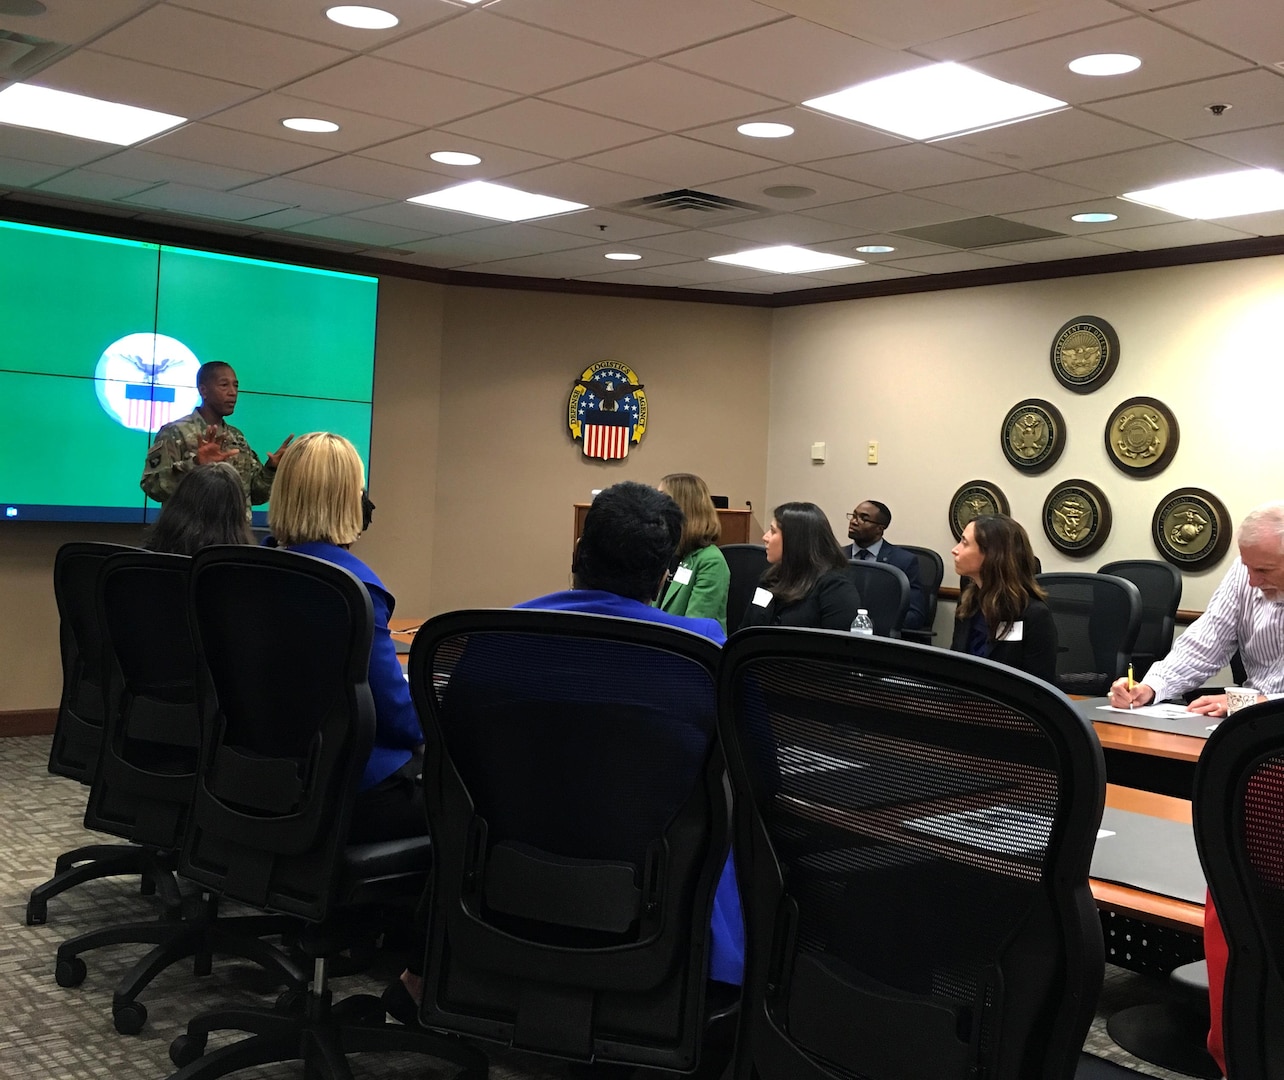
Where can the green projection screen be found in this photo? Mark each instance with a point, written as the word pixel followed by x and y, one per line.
pixel 103 340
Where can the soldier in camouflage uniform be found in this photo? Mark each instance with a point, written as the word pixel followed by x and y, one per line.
pixel 205 436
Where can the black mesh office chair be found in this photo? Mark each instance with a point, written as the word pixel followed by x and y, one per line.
pixel 1159 584
pixel 580 827
pixel 884 593
pixel 931 572
pixel 1097 618
pixel 747 563
pixel 146 777
pixel 78 731
pixel 1238 801
pixel 913 831
pixel 287 722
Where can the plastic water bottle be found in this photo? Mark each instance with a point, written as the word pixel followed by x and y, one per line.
pixel 863 624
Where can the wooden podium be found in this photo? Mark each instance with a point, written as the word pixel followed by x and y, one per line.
pixel 735 524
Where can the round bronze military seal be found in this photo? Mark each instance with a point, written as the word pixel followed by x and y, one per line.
pixel 1142 436
pixel 1076 517
pixel 973 499
pixel 1084 354
pixel 1191 528
pixel 1033 435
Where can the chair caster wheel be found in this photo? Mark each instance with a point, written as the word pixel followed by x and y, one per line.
pixel 130 1017
pixel 70 972
pixel 186 1049
pixel 37 913
pixel 290 1001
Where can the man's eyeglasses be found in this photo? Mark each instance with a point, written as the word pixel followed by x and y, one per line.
pixel 865 518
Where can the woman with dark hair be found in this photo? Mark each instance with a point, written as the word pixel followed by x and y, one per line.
pixel 699 585
pixel 207 507
pixel 1002 614
pixel 806 582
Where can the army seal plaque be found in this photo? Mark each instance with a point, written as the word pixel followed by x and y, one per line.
pixel 1033 435
pixel 1191 528
pixel 1142 436
pixel 1076 517
pixel 973 499
pixel 1084 354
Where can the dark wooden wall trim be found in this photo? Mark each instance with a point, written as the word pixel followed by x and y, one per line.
pixel 27 722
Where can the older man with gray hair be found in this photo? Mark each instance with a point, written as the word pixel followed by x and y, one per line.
pixel 1245 613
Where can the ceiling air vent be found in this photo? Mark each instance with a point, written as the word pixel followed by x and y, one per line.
pixel 20 54
pixel 691 209
pixel 978 232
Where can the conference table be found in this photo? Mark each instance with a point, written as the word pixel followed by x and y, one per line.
pixel 1147 751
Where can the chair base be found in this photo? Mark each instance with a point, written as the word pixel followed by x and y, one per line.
pixel 1168 1034
pixel 95 861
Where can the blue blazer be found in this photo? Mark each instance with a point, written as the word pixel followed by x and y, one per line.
pixel 907 563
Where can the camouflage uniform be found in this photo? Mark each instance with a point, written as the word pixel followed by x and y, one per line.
pixel 173 456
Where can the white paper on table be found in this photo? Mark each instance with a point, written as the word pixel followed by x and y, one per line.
pixel 1164 712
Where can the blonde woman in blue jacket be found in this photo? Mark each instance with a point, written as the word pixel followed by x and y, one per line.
pixel 699 586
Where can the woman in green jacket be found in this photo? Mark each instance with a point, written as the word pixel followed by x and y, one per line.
pixel 699 585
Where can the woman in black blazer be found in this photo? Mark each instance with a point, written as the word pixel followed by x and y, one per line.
pixel 1001 614
pixel 806 582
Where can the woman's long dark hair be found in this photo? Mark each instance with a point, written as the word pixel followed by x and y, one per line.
pixel 1007 582
pixel 808 550
pixel 207 507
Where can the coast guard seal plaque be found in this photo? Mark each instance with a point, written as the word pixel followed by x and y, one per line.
pixel 1141 436
pixel 1033 435
pixel 1084 354
pixel 1191 528
pixel 607 410
pixel 1076 517
pixel 973 499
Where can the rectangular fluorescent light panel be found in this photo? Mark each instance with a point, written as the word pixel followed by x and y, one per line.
pixel 937 101
pixel 484 199
pixel 1248 191
pixel 39 107
pixel 787 259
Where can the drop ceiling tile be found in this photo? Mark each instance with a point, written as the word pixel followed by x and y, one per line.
pixel 553 265
pixel 203 45
pixel 1130 215
pixel 1252 29
pixel 582 183
pixel 73 23
pixel 50 148
pixel 785 229
pixel 888 213
pixel 698 272
pixel 155 168
pixel 694 244
pixel 1263 147
pixel 1007 193
pixel 84 184
pixel 484 48
pixel 529 238
pixel 15 173
pixel 216 145
pixel 908 163
pixel 352 173
pixel 1061 247
pixel 314 198
pixel 652 278
pixel 427 219
pixel 815 136
pixel 859 275
pixel 677 162
pixel 1177 234
pixel 1133 170
pixel 32 197
pixel 369 85
pixel 662 97
pixel 306 19
pixel 825 188
pixel 284 219
pixel 952 262
pixel 544 127
pixel 203 202
pixel 359 231
pixel 1256 97
pixel 905 247
pixel 619 228
pixel 462 251
pixel 1271 224
pixel 496 161
pixel 1049 22
pixel 1049 140
pixel 263 116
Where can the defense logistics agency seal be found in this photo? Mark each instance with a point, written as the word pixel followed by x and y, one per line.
pixel 607 410
pixel 1141 436
pixel 1033 435
pixel 1076 517
pixel 1084 354
pixel 973 499
pixel 1191 528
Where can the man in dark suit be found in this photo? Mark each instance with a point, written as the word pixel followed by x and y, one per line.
pixel 865 530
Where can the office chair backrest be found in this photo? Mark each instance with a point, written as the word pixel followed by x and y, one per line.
pixel 1238 802
pixel 1097 618
pixel 747 563
pixel 1159 584
pixel 913 830
pixel 884 593
pixel 580 823
pixel 147 767
pixel 79 727
pixel 287 722
pixel 931 572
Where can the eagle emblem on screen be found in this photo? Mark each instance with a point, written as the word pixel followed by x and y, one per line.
pixel 144 381
pixel 607 410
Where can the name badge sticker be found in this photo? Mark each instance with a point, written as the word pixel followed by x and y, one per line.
pixel 1016 632
pixel 682 575
pixel 761 598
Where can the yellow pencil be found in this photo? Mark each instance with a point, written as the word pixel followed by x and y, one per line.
pixel 1131 685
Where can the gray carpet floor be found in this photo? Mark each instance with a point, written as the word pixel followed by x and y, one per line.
pixel 51 1033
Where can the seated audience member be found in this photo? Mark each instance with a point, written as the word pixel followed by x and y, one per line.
pixel 207 507
pixel 316 510
pixel 1002 614
pixel 865 530
pixel 699 585
pixel 806 582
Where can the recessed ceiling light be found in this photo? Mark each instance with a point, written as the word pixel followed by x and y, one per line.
pixel 787 259
pixel 875 249
pixel 1105 64
pixel 622 256
pixel 1089 219
pixel 362 18
pixel 760 130
pixel 454 157
pixel 85 117
pixel 1248 191
pixel 309 123
pixel 936 102
pixel 484 199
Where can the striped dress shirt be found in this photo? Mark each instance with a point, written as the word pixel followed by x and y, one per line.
pixel 1238 617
